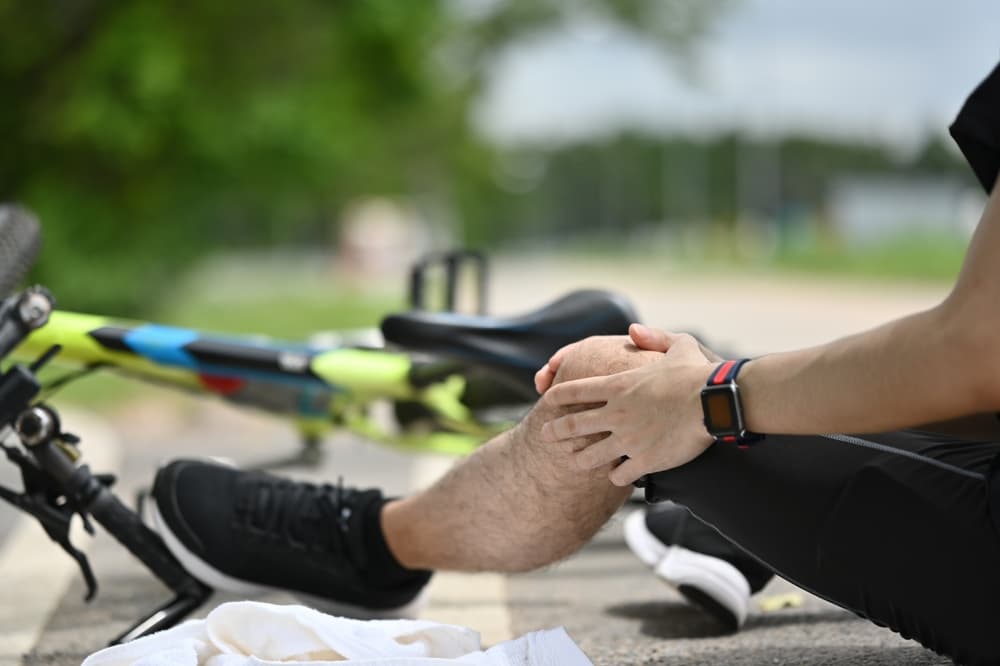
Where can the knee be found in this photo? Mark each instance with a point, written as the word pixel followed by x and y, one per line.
pixel 603 355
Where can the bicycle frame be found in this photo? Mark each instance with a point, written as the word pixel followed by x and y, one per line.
pixel 319 387
pixel 451 368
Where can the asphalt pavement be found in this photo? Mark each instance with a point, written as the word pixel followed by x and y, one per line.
pixel 609 602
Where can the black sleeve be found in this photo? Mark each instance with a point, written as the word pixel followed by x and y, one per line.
pixel 977 129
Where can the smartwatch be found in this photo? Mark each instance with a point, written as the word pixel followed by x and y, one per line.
pixel 720 400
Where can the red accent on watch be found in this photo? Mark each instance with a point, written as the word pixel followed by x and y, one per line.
pixel 721 372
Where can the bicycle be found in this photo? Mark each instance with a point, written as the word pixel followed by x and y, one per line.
pixel 446 374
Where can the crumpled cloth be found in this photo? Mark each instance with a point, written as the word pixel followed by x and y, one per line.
pixel 249 633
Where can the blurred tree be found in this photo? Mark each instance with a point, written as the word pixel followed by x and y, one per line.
pixel 630 180
pixel 146 133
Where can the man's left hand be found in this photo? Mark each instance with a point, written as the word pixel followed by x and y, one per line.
pixel 652 414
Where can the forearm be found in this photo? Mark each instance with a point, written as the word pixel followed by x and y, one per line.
pixel 932 366
pixel 914 370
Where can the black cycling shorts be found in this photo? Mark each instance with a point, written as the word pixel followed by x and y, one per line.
pixel 895 527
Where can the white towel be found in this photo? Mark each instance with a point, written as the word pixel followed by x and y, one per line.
pixel 248 633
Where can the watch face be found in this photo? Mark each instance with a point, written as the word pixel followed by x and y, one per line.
pixel 719 404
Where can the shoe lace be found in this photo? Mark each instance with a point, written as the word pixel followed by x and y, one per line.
pixel 303 515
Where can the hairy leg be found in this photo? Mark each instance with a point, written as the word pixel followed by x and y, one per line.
pixel 516 503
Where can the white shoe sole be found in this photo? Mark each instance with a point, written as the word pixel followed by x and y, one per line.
pixel 708 582
pixel 220 581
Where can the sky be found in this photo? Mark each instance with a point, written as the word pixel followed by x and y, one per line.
pixel 893 71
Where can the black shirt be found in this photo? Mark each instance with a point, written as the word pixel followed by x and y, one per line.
pixel 977 129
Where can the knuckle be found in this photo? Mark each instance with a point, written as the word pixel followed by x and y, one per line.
pixel 557 395
pixel 685 339
pixel 566 425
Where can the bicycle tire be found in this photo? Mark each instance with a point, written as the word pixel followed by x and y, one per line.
pixel 20 242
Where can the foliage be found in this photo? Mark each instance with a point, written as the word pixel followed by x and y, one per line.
pixel 147 133
pixel 630 182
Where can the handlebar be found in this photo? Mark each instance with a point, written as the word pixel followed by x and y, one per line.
pixel 55 487
pixel 92 496
pixel 21 314
pixel 125 526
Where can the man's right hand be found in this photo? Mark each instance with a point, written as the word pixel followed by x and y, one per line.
pixel 643 337
pixel 653 339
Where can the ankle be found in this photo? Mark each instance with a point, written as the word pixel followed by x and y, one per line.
pixel 396 521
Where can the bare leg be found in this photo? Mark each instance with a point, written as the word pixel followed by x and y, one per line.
pixel 516 503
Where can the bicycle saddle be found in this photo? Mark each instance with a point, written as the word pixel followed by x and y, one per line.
pixel 516 346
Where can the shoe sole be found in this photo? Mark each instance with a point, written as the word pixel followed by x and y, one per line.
pixel 709 583
pixel 215 579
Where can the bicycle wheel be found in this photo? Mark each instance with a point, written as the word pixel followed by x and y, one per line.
pixel 20 241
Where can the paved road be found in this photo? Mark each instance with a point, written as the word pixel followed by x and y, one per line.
pixel 9 478
pixel 608 601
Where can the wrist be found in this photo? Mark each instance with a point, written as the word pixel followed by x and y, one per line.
pixel 723 407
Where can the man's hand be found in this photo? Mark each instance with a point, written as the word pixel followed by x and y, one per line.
pixel 652 414
pixel 643 337
pixel 654 339
pixel 547 373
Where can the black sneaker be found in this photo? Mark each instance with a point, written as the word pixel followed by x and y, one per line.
pixel 709 570
pixel 247 532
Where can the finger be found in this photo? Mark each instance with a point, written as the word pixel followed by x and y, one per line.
pixel 684 345
pixel 709 354
pixel 573 446
pixel 561 354
pixel 650 339
pixel 626 473
pixel 547 374
pixel 579 391
pixel 599 454
pixel 543 378
pixel 578 424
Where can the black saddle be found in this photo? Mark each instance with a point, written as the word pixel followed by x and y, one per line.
pixel 515 346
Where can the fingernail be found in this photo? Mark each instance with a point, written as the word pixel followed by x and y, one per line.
pixel 538 378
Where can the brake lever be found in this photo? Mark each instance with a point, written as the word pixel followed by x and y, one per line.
pixel 51 509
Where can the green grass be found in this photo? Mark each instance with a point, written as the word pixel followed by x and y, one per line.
pixel 919 257
pixel 280 295
pixel 930 257
pixel 100 391
pixel 914 256
pixel 293 318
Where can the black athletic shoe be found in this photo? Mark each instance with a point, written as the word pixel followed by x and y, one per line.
pixel 709 570
pixel 247 532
